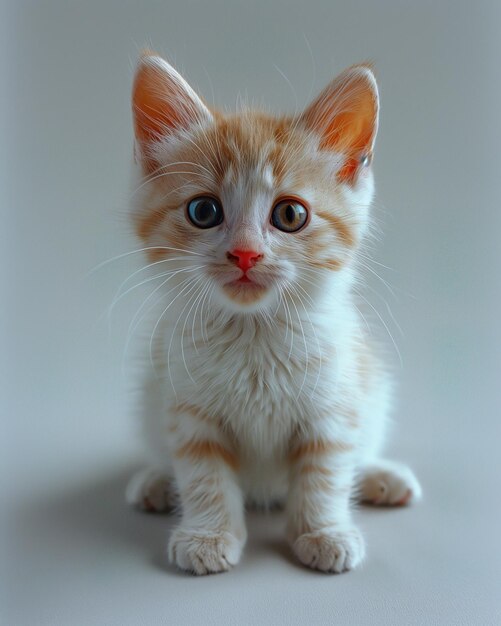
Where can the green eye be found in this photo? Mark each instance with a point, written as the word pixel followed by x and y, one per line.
pixel 205 212
pixel 289 216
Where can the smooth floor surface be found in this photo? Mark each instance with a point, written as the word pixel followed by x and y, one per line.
pixel 78 555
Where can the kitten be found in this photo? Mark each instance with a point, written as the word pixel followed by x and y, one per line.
pixel 264 388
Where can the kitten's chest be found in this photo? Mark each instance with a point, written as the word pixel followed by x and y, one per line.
pixel 261 382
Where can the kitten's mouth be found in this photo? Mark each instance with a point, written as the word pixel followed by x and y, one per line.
pixel 245 280
pixel 244 290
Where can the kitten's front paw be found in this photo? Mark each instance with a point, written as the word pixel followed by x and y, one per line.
pixel 203 552
pixel 331 549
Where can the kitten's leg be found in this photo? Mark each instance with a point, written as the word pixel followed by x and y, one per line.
pixel 320 528
pixel 212 533
pixel 384 482
pixel 152 490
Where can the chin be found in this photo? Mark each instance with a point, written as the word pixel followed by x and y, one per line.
pixel 247 297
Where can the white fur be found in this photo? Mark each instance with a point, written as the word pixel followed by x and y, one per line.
pixel 255 378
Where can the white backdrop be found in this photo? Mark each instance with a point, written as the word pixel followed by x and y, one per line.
pixel 75 554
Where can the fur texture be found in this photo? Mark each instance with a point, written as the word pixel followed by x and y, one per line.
pixel 263 388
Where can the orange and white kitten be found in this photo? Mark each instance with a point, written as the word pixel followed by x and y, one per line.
pixel 264 389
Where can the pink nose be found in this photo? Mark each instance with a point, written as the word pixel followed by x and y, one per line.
pixel 245 259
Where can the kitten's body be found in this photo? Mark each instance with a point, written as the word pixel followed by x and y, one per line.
pixel 260 418
pixel 265 392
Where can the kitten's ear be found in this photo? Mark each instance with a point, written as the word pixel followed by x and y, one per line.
pixel 345 115
pixel 162 102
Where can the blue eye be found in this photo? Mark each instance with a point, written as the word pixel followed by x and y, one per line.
pixel 205 212
pixel 289 216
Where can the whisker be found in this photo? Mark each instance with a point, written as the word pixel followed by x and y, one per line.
pixel 207 299
pixel 125 254
pixel 319 350
pixel 288 317
pixel 196 299
pixel 192 297
pixel 152 338
pixel 388 308
pixel 118 296
pixel 386 327
pixel 199 304
pixel 385 283
pixel 192 288
pixel 305 345
pixel 135 324
pixel 158 173
pixel 368 258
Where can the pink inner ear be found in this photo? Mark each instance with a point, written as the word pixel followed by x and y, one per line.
pixel 154 113
pixel 162 101
pixel 345 115
pixel 353 135
pixel 352 130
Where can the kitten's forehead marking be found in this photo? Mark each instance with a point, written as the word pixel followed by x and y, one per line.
pixel 229 176
pixel 268 179
pixel 260 176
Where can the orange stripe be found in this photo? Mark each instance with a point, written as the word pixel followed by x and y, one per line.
pixel 330 264
pixel 311 468
pixel 319 447
pixel 147 224
pixel 341 228
pixel 203 450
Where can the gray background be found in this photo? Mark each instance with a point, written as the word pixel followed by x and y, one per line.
pixel 72 552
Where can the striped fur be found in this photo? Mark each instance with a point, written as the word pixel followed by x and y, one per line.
pixel 266 391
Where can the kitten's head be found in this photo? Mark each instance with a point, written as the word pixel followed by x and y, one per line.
pixel 254 205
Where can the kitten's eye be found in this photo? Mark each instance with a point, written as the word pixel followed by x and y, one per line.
pixel 205 212
pixel 289 216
